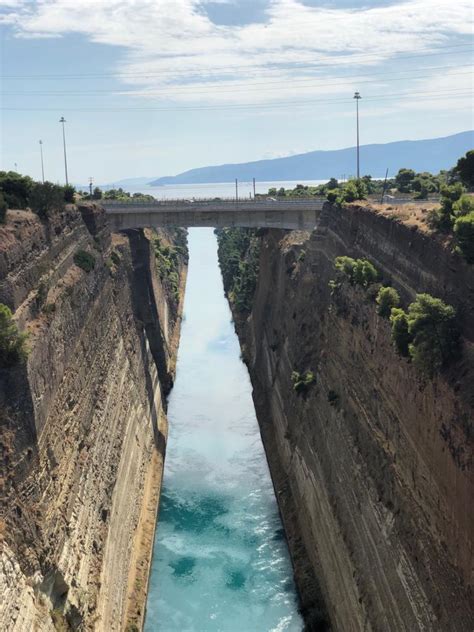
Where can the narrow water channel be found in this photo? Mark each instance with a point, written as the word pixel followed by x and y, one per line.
pixel 220 561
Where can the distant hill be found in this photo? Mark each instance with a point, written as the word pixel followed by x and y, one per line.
pixel 421 155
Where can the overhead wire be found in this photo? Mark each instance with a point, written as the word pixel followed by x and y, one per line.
pixel 248 85
pixel 294 65
pixel 419 97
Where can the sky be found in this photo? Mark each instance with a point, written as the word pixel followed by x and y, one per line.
pixel 156 87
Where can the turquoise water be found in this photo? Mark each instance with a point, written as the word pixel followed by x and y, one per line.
pixel 220 561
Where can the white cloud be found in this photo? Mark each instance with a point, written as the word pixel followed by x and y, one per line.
pixel 173 52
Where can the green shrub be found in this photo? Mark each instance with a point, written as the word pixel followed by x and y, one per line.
pixel 387 298
pixel 84 260
pixel 435 337
pixel 352 191
pixel 443 218
pixel 332 195
pixel 69 191
pixel 464 236
pixel 345 266
pixel 301 383
pixel 401 337
pixel 357 271
pixel 12 342
pixel 465 169
pixel 15 189
pixel 404 179
pixel 464 205
pixel 365 273
pixel 3 209
pixel 46 198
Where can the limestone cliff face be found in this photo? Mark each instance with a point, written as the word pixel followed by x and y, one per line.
pixel 372 467
pixel 83 427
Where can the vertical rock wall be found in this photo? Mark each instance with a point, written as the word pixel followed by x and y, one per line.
pixel 373 465
pixel 84 427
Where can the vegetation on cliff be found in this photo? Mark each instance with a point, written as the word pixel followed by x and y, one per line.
pixel 12 341
pixel 427 333
pixel 239 254
pixel 44 198
pixel 116 194
pixel 302 381
pixel 168 259
pixel 84 260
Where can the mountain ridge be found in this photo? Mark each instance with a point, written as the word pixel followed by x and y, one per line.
pixel 432 155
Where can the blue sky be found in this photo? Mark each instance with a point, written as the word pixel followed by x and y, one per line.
pixel 155 87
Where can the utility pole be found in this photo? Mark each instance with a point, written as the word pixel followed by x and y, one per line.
pixel 62 120
pixel 91 180
pixel 42 163
pixel 254 196
pixel 384 186
pixel 236 190
pixel 357 97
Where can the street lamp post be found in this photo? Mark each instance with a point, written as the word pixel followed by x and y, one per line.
pixel 357 97
pixel 62 120
pixel 42 163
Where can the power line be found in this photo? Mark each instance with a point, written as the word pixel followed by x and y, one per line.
pixel 294 65
pixel 312 81
pixel 374 98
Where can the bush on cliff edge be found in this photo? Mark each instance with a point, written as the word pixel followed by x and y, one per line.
pixel 464 236
pixel 12 341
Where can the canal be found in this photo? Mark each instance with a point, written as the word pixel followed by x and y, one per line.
pixel 220 560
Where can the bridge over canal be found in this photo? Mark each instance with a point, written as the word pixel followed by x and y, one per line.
pixel 291 214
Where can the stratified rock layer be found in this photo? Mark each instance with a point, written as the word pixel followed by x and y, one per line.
pixel 372 467
pixel 84 428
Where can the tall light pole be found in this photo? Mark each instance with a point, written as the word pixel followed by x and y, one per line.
pixel 357 97
pixel 236 190
pixel 63 120
pixel 42 163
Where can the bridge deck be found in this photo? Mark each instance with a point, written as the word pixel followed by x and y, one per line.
pixel 302 214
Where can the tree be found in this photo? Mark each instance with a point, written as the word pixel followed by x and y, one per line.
pixel 386 300
pixel 352 191
pixel 370 185
pixel 401 337
pixel 435 337
pixel 332 184
pixel 403 180
pixel 69 191
pixel 12 342
pixel 463 206
pixel 97 194
pixel 332 195
pixel 464 235
pixel 465 169
pixel 46 198
pixel 365 273
pixel 15 188
pixel 443 218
